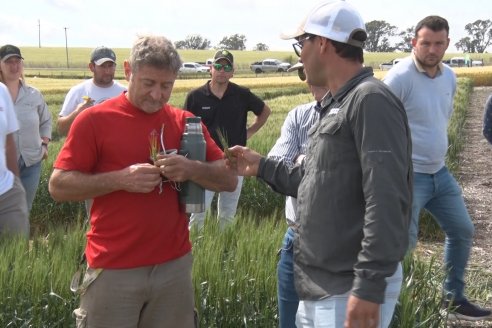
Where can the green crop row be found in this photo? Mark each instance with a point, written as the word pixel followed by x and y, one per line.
pixel 234 270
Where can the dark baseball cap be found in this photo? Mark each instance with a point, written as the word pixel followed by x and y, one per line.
pixel 8 51
pixel 102 54
pixel 224 54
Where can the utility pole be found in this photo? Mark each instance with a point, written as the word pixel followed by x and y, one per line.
pixel 66 45
pixel 39 33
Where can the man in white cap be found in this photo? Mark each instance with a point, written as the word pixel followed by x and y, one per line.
pixel 354 187
pixel 93 91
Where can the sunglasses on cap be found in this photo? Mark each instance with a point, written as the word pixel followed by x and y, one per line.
pixel 301 74
pixel 227 67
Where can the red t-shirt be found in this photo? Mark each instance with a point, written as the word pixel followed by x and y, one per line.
pixel 129 229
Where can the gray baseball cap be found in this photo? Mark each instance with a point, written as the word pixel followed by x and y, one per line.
pixel 102 54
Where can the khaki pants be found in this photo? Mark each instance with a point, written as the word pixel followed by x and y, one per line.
pixel 14 217
pixel 157 296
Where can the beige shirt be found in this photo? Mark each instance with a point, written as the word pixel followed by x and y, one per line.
pixel 34 122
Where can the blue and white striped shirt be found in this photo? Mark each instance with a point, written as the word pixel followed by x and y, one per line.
pixel 293 141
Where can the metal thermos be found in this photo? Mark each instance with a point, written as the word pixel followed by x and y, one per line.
pixel 192 195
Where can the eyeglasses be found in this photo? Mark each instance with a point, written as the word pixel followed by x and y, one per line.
pixel 300 43
pixel 227 67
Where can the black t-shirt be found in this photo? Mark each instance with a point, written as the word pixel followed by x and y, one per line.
pixel 228 114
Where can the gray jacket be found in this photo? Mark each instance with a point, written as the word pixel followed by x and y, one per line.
pixel 34 122
pixel 354 193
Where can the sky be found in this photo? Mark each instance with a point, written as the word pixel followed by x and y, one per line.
pixel 91 23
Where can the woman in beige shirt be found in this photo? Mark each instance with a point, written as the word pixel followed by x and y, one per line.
pixel 33 116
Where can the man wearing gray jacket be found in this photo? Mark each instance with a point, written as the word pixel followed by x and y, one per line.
pixel 354 188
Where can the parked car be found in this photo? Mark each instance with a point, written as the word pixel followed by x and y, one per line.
pixel 455 62
pixel 388 65
pixel 477 62
pixel 462 62
pixel 191 67
pixel 269 65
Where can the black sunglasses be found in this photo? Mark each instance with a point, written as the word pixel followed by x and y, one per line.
pixel 300 43
pixel 227 67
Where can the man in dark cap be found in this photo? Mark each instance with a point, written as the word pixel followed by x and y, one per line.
pixel 93 91
pixel 224 106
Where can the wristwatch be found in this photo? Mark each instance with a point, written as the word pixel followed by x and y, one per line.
pixel 44 144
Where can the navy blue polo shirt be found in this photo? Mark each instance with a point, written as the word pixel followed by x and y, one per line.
pixel 228 114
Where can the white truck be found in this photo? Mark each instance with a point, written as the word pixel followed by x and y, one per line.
pixel 269 65
pixel 463 62
pixel 191 67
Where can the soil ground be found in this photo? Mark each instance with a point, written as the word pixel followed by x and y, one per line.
pixel 475 177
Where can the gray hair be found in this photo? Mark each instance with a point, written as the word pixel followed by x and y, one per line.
pixel 156 51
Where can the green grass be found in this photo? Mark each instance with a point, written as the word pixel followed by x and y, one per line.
pixel 52 61
pixel 234 270
pixel 241 268
pixel 34 278
pixel 56 57
pixel 255 193
pixel 234 277
pixel 420 298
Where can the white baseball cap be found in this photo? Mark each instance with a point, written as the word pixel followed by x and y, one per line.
pixel 334 20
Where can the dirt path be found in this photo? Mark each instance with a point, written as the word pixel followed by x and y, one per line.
pixel 476 179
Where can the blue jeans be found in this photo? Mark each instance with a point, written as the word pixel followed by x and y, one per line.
pixel 288 301
pixel 29 176
pixel 441 195
pixel 330 312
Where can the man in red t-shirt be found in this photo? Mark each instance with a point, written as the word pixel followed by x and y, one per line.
pixel 138 249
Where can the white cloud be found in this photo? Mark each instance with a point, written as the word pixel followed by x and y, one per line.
pixel 94 22
pixel 67 4
pixel 13 26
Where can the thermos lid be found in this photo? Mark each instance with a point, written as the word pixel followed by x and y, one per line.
pixel 196 119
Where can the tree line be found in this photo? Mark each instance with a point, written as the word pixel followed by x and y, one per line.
pixel 232 42
pixel 379 33
pixel 379 36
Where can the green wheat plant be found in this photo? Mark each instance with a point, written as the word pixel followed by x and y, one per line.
pixel 154 145
pixel 224 143
pixel 156 141
pixel 234 270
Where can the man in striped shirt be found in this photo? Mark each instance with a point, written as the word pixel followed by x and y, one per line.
pixel 291 147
